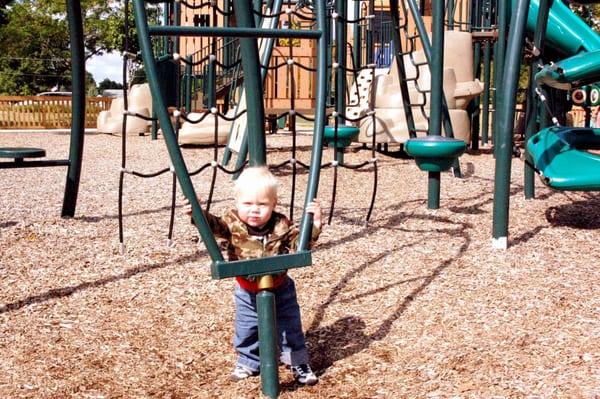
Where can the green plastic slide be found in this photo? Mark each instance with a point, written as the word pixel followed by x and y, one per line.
pixel 570 35
pixel 566 31
pixel 561 155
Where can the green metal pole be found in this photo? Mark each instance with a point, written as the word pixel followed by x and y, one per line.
pixel 267 342
pixel 450 7
pixel 177 49
pixel 319 125
pixel 141 23
pixel 422 31
pixel 357 36
pixel 506 115
pixel 499 56
pixel 227 54
pixel 78 108
pixel 211 98
pixel 188 84
pixel 475 105
pixel 531 111
pixel 340 72
pixel 264 60
pixel 410 121
pixel 532 125
pixel 257 147
pixel 487 68
pixel 369 34
pixel 435 110
pixel 533 104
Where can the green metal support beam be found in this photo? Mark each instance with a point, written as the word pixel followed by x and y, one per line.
pixel 75 22
pixel 533 103
pixel 503 8
pixel 319 127
pixel 257 147
pixel 437 92
pixel 506 115
pixel 410 121
pixel 141 22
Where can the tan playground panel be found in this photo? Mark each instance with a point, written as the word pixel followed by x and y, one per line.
pixel 381 93
pixel 139 101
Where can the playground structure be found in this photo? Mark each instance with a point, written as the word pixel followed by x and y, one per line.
pixel 572 71
pixel 555 27
pixel 140 101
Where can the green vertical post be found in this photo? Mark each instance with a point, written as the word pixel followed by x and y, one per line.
pixel 499 56
pixel 435 113
pixel 410 121
pixel 533 104
pixel 188 84
pixel 211 97
pixel 369 34
pixel 264 60
pixel 165 39
pixel 257 6
pixel 319 126
pixel 177 49
pixel 267 341
pixel 450 7
pixel 154 128
pixel 75 22
pixel 475 105
pixel 257 147
pixel 141 23
pixel 357 36
pixel 340 73
pixel 506 115
pixel 487 68
pixel 422 31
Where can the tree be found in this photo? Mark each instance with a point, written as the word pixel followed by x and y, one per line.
pixel 35 40
pixel 108 84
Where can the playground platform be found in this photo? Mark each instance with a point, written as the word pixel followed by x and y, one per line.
pixel 414 305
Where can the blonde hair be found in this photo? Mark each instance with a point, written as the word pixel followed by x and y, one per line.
pixel 257 179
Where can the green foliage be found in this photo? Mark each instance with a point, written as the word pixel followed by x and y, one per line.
pixel 35 51
pixel 34 39
pixel 108 84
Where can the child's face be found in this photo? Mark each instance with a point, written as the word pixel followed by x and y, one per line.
pixel 255 207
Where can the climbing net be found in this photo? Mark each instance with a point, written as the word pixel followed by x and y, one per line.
pixel 209 62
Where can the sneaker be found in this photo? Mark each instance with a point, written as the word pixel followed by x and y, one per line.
pixel 304 375
pixel 242 372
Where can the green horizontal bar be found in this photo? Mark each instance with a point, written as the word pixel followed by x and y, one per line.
pixel 232 32
pixel 258 266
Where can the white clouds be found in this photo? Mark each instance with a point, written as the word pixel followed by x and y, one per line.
pixel 106 66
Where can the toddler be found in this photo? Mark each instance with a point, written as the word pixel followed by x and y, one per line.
pixel 254 229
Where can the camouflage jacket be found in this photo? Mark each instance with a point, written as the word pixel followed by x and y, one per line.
pixel 281 238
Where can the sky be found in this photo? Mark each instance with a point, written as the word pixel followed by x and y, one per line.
pixel 106 66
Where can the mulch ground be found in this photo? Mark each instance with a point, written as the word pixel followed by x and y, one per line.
pixel 415 304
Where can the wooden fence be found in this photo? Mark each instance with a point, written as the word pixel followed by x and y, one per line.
pixel 46 112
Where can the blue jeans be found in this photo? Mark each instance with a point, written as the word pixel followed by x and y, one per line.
pixel 289 327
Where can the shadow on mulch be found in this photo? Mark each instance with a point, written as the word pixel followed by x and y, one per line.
pixel 579 215
pixel 67 291
pixel 99 218
pixel 11 223
pixel 347 335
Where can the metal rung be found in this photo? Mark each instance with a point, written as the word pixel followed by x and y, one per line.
pixel 258 266
pixel 158 30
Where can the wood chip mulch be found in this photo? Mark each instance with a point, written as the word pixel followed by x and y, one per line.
pixel 416 304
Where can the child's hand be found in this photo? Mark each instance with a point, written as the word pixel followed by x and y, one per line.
pixel 314 207
pixel 187 207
